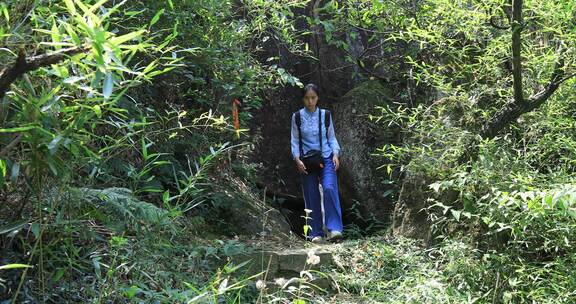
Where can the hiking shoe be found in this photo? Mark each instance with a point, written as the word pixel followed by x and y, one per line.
pixel 335 236
pixel 316 239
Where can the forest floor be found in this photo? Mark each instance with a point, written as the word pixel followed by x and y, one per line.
pixel 377 269
pixel 185 262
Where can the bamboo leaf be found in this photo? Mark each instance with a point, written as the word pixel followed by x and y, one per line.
pixel 53 145
pixel 2 172
pixel 97 110
pixel 70 7
pixel 97 5
pixel 14 266
pixel 88 12
pixel 96 263
pixel 6 13
pixel 456 214
pixel 35 229
pixel 116 41
pixel 14 172
pixel 17 129
pixel 108 85
pixel 156 17
pixel 55 34
pixel 166 196
pixel 73 79
pixel 13 226
pixel 58 275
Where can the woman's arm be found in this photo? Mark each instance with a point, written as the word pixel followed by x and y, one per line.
pixel 295 146
pixel 295 139
pixel 332 141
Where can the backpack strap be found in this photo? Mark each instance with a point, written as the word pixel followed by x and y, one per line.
pixel 327 117
pixel 298 120
pixel 320 128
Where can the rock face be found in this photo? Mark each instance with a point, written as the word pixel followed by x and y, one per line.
pixel 410 218
pixel 332 71
pixel 248 214
pixel 359 179
pixel 360 137
pixel 351 101
pixel 256 218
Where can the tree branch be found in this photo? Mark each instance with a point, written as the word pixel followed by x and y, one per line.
pixel 11 145
pixel 567 78
pixel 514 109
pixel 555 81
pixel 516 50
pixel 360 64
pixel 23 65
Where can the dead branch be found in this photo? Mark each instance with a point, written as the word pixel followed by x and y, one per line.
pixel 23 65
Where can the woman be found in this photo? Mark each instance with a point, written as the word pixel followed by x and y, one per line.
pixel 316 132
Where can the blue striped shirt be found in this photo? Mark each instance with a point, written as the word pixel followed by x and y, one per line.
pixel 310 138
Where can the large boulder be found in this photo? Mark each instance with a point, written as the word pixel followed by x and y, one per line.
pixel 351 100
pixel 364 188
pixel 360 178
pixel 243 208
pixel 410 215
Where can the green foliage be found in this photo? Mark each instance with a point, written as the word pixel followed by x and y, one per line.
pixel 459 50
pixel 515 201
pixel 13 266
pixel 449 272
pixel 435 136
pixel 410 276
pixel 219 44
pixel 116 143
pixel 118 208
pixel 54 111
pixel 462 55
pixel 531 222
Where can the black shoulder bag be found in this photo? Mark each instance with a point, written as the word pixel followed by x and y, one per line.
pixel 313 159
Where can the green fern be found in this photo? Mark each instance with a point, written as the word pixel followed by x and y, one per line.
pixel 119 206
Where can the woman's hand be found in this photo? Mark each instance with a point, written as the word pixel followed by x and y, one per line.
pixel 336 162
pixel 300 166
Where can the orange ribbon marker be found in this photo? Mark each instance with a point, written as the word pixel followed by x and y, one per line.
pixel 235 105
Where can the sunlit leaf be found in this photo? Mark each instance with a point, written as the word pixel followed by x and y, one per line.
pixel 127 37
pixel 70 7
pixel 35 228
pixel 15 172
pixel 17 129
pixel 14 266
pixel 97 111
pixel 156 17
pixel 108 85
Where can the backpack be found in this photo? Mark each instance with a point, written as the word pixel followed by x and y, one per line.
pixel 313 159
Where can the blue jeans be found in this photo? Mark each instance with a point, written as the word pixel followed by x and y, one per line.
pixel 332 209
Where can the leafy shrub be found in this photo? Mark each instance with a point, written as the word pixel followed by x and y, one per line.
pixel 537 223
pixel 118 208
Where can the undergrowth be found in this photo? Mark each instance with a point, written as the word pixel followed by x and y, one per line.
pixel 386 270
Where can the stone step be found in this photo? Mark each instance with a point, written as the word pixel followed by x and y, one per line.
pixel 284 262
pixel 309 280
pixel 294 266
